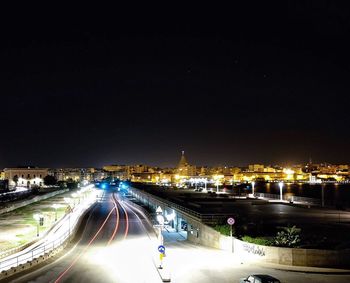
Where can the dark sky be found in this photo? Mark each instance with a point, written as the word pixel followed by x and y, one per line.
pixel 229 85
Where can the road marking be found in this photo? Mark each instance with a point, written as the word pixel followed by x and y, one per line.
pixel 126 217
pixel 88 245
pixel 117 223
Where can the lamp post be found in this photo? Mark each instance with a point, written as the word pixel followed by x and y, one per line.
pixel 69 201
pixel 217 186
pixel 74 196
pixel 55 206
pixel 38 217
pixel 253 186
pixel 323 185
pixel 280 184
pixel 160 219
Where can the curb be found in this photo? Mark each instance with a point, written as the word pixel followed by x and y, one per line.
pixel 305 269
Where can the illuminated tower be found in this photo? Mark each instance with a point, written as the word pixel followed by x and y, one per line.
pixel 184 168
pixel 183 162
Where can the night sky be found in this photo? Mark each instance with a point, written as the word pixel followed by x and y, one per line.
pixel 229 85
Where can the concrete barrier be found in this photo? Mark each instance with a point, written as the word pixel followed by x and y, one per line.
pixel 202 234
pixel 19 204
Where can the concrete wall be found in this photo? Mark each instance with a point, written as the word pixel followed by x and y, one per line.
pixel 22 203
pixel 207 236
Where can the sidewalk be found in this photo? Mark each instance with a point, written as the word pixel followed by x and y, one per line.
pixel 172 237
pixel 304 269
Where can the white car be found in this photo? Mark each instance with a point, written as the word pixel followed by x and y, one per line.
pixel 259 278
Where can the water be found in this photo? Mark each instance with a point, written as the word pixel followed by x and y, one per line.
pixel 334 194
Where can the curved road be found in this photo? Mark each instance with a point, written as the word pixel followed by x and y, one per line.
pixel 115 247
pixel 118 245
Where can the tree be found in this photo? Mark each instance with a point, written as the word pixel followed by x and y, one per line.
pixel 15 179
pixel 288 237
pixel 50 180
pixel 71 185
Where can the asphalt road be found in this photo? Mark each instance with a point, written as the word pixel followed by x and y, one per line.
pixel 116 246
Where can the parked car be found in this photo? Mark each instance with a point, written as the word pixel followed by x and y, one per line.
pixel 259 278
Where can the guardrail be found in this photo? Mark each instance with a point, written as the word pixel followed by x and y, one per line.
pixel 170 204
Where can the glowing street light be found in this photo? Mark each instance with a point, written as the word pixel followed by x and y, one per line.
pixel 69 201
pixel 55 206
pixel 253 185
pixel 40 221
pixel 160 219
pixel 280 184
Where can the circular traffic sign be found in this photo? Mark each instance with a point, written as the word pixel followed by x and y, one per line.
pixel 161 249
pixel 230 221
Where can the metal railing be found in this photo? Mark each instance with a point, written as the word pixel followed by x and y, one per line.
pixel 30 255
pixel 202 217
pixel 34 253
pixel 170 204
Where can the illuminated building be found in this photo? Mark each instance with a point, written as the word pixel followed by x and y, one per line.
pixel 27 176
pixel 256 168
pixel 75 174
pixel 184 168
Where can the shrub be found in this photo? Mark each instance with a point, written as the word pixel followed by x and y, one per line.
pixel 257 241
pixel 224 229
pixel 288 237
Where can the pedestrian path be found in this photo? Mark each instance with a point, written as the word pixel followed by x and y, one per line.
pixel 170 235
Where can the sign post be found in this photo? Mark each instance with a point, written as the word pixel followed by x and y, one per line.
pixel 231 221
pixel 161 250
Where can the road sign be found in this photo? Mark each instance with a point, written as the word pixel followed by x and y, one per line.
pixel 161 249
pixel 230 221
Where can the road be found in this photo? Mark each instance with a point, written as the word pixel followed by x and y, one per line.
pixel 116 246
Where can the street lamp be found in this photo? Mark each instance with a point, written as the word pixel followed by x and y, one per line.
pixel 253 185
pixel 39 219
pixel 323 185
pixel 74 196
pixel 280 184
pixel 55 206
pixel 217 185
pixel 160 219
pixel 68 201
